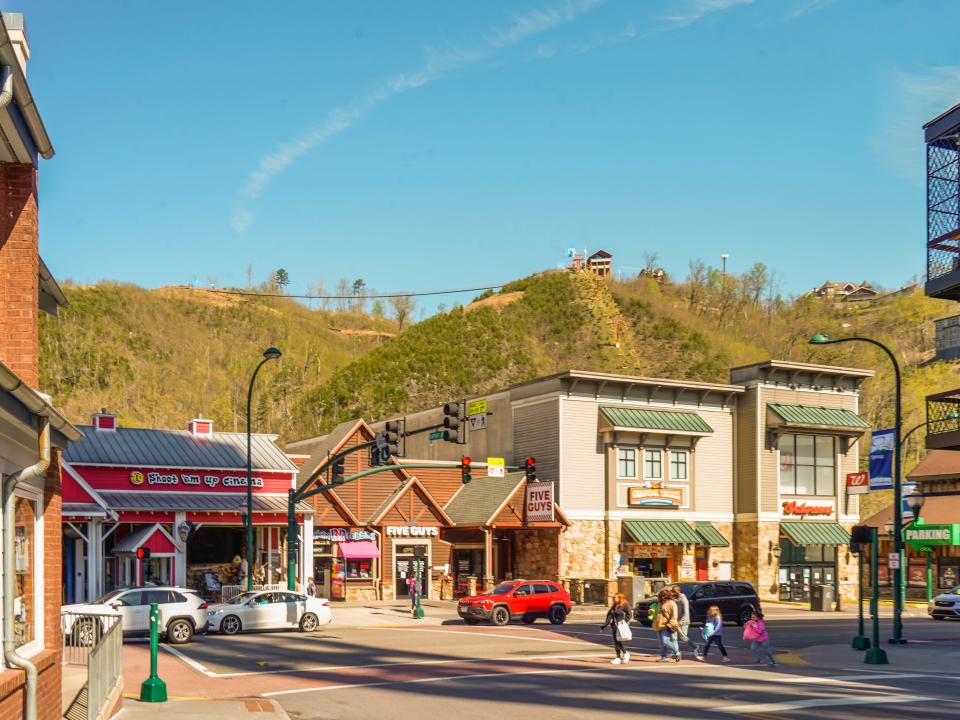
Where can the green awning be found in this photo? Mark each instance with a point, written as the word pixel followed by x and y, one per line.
pixel 820 416
pixel 655 420
pixel 815 533
pixel 661 532
pixel 709 535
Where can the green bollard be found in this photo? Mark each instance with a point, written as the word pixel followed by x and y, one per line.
pixel 153 688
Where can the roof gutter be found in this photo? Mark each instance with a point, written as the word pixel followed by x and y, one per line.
pixel 35 403
pixel 31 114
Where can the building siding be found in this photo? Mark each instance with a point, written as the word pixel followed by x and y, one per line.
pixel 746 472
pixel 536 433
pixel 712 477
pixel 583 475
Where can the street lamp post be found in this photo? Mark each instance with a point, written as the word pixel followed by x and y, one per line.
pixel 270 353
pixel 819 339
pixel 914 501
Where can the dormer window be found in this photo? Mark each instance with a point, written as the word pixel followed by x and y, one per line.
pixel 200 426
pixel 105 421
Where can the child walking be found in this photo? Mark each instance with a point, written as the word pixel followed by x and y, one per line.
pixel 756 632
pixel 713 634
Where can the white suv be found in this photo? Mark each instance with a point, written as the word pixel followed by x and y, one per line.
pixel 182 614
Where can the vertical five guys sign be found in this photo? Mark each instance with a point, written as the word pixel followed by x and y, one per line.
pixel 538 505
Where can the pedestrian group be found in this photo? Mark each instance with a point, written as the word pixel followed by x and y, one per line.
pixel 670 619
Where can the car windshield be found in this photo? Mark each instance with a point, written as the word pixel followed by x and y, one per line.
pixel 501 589
pixel 955 591
pixel 241 598
pixel 107 598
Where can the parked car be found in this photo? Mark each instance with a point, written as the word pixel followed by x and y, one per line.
pixel 269 610
pixel 526 599
pixel 736 600
pixel 183 613
pixel 945 605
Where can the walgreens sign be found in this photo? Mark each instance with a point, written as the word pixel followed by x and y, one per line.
pixel 798 508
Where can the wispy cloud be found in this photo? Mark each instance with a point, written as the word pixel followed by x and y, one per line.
pixel 918 97
pixel 805 7
pixel 628 33
pixel 439 63
pixel 694 10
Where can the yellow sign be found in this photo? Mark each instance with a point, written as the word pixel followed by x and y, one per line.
pixel 496 467
pixel 477 407
pixel 655 497
pixel 136 478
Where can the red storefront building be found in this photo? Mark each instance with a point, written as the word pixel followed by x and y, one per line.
pixel 180 493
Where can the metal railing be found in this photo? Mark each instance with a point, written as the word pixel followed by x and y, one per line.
pixel 83 632
pixel 104 667
pixel 229 591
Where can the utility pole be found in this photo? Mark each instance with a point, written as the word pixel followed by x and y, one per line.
pixel 724 257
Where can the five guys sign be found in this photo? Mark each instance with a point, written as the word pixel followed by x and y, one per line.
pixel 538 506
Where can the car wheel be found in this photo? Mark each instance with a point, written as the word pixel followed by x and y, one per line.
pixel 937 617
pixel 500 616
pixel 179 632
pixel 743 617
pixel 85 632
pixel 557 615
pixel 528 619
pixel 470 621
pixel 230 625
pixel 309 623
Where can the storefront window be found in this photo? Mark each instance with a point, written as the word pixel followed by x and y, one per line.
pixel 359 569
pixel 626 462
pixel 678 464
pixel 653 464
pixel 948 572
pixel 25 600
pixel 807 465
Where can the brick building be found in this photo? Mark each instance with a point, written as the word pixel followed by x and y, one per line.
pixel 32 432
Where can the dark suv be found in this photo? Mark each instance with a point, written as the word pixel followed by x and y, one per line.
pixel 736 600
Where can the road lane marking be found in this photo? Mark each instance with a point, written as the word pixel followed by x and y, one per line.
pixel 501 635
pixel 787 706
pixel 199 667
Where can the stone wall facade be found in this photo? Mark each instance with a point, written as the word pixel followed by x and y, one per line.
pixel 584 550
pixel 537 554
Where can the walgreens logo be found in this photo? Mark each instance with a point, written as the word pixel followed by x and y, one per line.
pixel 794 507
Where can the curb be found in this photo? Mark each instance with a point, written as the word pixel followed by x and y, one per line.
pixel 853 605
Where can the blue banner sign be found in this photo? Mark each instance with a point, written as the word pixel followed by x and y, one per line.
pixel 881 459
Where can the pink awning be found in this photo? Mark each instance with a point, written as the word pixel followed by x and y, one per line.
pixel 359 550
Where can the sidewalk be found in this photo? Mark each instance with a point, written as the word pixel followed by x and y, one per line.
pixel 239 709
pixel 919 656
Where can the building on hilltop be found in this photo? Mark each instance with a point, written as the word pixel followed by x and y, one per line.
pixel 33 433
pixel 600 263
pixel 845 291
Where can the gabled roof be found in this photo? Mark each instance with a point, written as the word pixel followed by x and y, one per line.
pixel 409 485
pixel 600 254
pixel 479 501
pixel 329 444
pixel 142 447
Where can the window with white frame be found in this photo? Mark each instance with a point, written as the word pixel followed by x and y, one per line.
pixel 28 571
pixel 678 465
pixel 807 464
pixel 653 464
pixel 626 462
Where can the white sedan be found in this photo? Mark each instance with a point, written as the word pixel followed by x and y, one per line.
pixel 269 610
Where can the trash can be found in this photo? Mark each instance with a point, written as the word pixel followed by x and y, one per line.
pixel 821 598
pixel 632 587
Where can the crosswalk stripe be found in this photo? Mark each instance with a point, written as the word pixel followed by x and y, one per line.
pixel 773 707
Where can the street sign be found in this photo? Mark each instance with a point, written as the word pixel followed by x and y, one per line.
pixel 893 561
pixel 539 502
pixel 477 407
pixel 496 467
pixel 920 534
pixel 858 483
pixel 477 422
pixel 436 435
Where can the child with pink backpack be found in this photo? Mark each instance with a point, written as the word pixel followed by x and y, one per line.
pixel 756 632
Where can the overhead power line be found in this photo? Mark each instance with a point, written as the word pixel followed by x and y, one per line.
pixel 252 293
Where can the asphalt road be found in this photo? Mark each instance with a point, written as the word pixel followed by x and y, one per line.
pixel 452 670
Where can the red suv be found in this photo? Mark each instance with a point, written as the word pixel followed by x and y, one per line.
pixel 526 599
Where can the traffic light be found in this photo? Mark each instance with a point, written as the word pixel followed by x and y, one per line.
pixel 451 421
pixel 530 468
pixel 391 441
pixel 143 553
pixel 336 471
pixel 860 534
pixel 465 468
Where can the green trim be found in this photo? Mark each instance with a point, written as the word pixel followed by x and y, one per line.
pixel 710 535
pixel 815 533
pixel 661 532
pixel 815 415
pixel 656 420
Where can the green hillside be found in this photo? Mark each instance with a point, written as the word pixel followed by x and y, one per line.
pixel 157 358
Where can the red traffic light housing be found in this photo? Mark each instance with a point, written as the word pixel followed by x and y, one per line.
pixel 465 467
pixel 143 553
pixel 530 468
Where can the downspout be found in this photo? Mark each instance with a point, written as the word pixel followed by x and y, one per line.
pixel 10 483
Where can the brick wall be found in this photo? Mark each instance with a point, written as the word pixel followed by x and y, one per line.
pixel 19 267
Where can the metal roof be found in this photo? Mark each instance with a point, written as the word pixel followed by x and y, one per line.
pixel 815 415
pixel 194 501
pixel 710 535
pixel 659 420
pixel 147 447
pixel 815 533
pixel 661 532
pixel 129 544
pixel 82 510
pixel 476 502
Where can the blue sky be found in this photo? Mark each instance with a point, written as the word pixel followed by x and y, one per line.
pixel 435 145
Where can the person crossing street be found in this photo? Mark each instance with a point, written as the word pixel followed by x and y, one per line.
pixel 683 618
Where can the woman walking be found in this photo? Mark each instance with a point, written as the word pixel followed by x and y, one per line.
pixel 618 617
pixel 756 632
pixel 713 634
pixel 666 625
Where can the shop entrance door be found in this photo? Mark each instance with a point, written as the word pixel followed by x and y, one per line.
pixel 797 581
pixel 322 567
pixel 467 562
pixel 405 567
